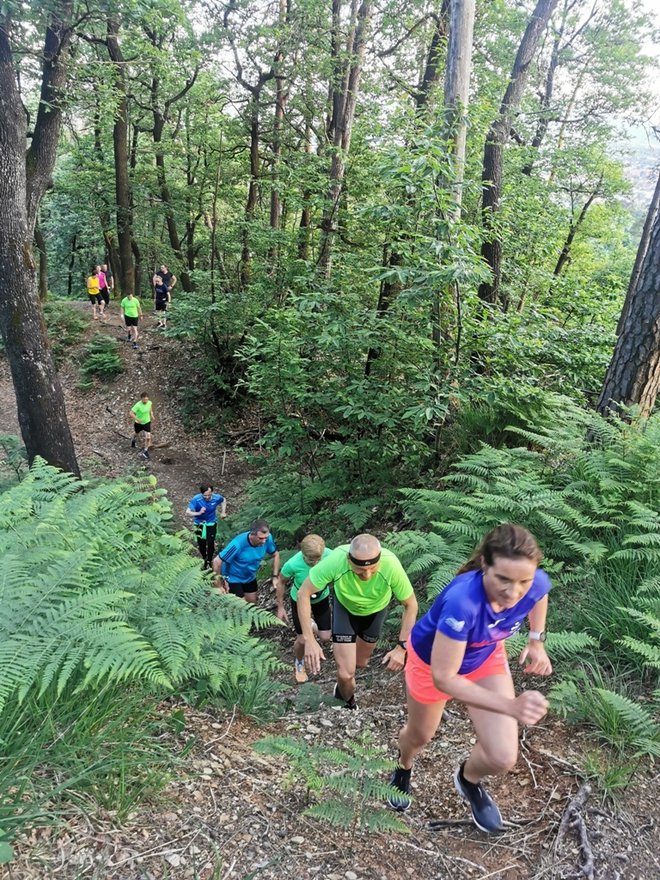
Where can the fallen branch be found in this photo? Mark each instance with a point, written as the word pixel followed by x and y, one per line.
pixel 573 820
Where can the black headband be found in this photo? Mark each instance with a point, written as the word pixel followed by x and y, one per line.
pixel 363 563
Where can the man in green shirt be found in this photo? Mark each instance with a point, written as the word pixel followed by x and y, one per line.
pixel 131 311
pixel 365 576
pixel 294 572
pixel 142 415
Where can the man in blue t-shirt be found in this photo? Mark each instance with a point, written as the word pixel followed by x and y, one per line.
pixel 203 510
pixel 237 564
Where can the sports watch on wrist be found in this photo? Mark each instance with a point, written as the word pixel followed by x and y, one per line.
pixel 537 636
pixel 403 644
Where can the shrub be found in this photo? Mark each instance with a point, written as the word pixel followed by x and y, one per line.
pixel 101 359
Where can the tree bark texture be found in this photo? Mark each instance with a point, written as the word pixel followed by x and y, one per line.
pixel 344 99
pixel 633 376
pixel 654 208
pixel 491 174
pixel 120 147
pixel 23 180
pixel 40 244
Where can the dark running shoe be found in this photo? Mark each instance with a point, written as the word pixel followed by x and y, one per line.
pixel 145 454
pixel 485 812
pixel 133 443
pixel 347 704
pixel 400 799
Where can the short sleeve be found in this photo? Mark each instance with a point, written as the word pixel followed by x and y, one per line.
pixel 400 582
pixel 288 569
pixel 328 569
pixel 271 546
pixel 456 619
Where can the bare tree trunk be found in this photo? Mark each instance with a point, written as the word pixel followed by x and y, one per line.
pixel 565 255
pixel 306 213
pixel 491 174
pixel 342 126
pixel 23 182
pixel 654 208
pixel 43 263
pixel 457 88
pixel 281 96
pixel 633 376
pixel 122 179
pixel 72 263
pixel 253 191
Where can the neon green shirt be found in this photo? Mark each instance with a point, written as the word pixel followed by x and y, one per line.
pixel 297 568
pixel 358 596
pixel 142 411
pixel 131 307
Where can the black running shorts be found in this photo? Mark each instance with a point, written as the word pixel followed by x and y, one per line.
pixel 320 615
pixel 347 627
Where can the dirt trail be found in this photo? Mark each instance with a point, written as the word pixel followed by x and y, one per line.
pixel 230 814
pixel 102 428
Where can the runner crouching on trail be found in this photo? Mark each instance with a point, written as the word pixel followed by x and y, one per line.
pixel 236 565
pixel 365 575
pixel 457 651
pixel 294 572
pixel 203 510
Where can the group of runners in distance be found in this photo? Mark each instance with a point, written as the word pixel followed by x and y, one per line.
pixel 454 651
pixel 100 283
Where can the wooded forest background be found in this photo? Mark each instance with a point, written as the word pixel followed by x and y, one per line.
pixel 394 226
pixel 415 284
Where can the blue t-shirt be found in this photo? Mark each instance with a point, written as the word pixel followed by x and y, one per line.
pixel 462 612
pixel 211 506
pixel 240 560
pixel 161 291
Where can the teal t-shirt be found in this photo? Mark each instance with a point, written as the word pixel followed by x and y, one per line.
pixel 358 596
pixel 297 568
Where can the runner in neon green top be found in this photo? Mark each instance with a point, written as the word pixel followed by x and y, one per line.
pixel 131 311
pixel 295 571
pixel 142 415
pixel 365 577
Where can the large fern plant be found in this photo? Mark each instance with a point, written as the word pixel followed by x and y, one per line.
pixel 589 489
pixel 96 587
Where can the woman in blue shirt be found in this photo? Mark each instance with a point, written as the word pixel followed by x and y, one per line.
pixel 457 651
pixel 203 510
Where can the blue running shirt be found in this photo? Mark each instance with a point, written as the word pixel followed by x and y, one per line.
pixel 462 612
pixel 211 506
pixel 241 561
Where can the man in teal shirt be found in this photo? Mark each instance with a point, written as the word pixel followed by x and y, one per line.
pixel 365 576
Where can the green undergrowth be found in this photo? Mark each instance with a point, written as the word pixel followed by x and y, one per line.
pixel 589 489
pixel 106 611
pixel 100 359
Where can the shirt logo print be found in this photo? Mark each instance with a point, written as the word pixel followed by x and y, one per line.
pixel 456 625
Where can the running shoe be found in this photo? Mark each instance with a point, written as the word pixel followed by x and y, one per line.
pixel 485 812
pixel 145 454
pixel 400 799
pixel 133 443
pixel 347 704
pixel 300 671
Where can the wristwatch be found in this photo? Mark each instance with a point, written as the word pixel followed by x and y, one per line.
pixel 537 636
pixel 403 644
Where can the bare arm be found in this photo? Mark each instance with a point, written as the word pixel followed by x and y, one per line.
pixel 533 656
pixel 446 659
pixel 395 659
pixel 313 651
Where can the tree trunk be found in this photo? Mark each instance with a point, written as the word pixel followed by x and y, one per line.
pixel 253 191
pixel 122 179
pixel 633 376
pixel 342 129
pixel 565 255
pixel 654 208
pixel 43 264
pixel 23 182
pixel 491 174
